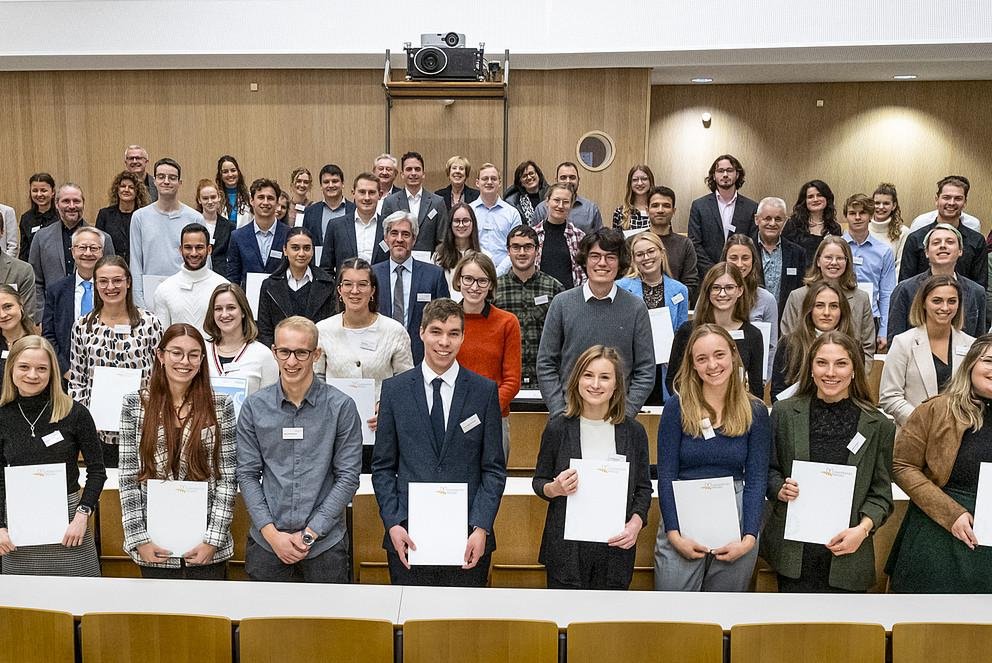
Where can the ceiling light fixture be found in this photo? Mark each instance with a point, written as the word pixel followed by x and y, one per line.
pixel 702 79
pixel 905 77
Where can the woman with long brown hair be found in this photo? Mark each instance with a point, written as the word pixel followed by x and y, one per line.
pixel 179 430
pixel 633 214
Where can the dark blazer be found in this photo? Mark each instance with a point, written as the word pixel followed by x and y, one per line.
pixel 793 260
pixel 274 303
pixel 243 255
pixel 404 448
pixel 48 260
pixel 117 224
pixel 706 228
pixel 313 219
pixel 468 195
pixel 561 442
pixel 432 218
pixel 222 244
pixel 425 279
pixel 341 243
pixel 60 313
pixel 16 272
pixel 872 492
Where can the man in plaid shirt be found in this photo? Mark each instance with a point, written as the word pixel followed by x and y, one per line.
pixel 526 293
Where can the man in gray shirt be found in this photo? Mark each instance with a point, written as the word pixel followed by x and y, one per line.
pixel 299 457
pixel 585 214
pixel 597 313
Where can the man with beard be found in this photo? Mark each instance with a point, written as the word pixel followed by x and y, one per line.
pixel 184 296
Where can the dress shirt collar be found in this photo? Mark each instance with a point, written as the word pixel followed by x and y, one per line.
pixel 587 292
pixel 778 245
pixel 448 377
pixel 296 285
pixel 309 397
pixel 408 264
pixel 412 196
pixel 849 238
pixel 479 202
pixel 721 203
pixel 271 231
pixel 80 279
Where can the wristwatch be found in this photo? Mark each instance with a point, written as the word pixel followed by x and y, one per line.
pixel 308 539
pixel 85 510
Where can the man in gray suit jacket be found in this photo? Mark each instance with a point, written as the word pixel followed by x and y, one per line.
pixel 19 274
pixel 51 249
pixel 426 206
pixel 439 423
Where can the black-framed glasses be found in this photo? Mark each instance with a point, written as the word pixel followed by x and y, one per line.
pixel 301 354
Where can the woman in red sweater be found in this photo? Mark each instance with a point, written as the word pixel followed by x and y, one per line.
pixel 492 336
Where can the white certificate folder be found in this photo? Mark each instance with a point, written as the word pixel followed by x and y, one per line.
pixel 362 391
pixel 983 506
pixel 707 510
pixel 438 517
pixel 110 386
pixel 177 514
pixel 596 511
pixel 823 508
pixel 37 504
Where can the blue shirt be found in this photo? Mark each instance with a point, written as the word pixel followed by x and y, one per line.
pixel 305 482
pixel 771 264
pixel 326 214
pixel 264 239
pixel 495 224
pixel 875 264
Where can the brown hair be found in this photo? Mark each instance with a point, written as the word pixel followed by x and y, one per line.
pixel 27 324
pixel 704 307
pixel 157 401
pixel 618 401
pixel 754 278
pixel 627 210
pixel 963 402
pixel 918 309
pixel 133 314
pixel 895 218
pixel 858 391
pixel 248 327
pixel 848 280
pixel 141 196
pixel 800 340
pixel 485 263
pixel 439 310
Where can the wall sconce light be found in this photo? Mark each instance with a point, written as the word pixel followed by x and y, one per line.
pixel 707 120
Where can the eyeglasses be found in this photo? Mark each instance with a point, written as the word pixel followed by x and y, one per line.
pixel 176 354
pixel 602 257
pixel 649 253
pixel 469 281
pixel 136 159
pixel 523 248
pixel 88 248
pixel 720 289
pixel 301 354
pixel 118 282
pixel 461 222
pixel 355 285
pixel 166 177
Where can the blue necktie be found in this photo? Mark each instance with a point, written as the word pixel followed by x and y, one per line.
pixel 437 416
pixel 86 304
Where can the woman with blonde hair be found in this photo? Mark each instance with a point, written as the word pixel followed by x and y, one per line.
pixel 712 427
pixel 209 203
pixel 633 214
pixel 886 224
pixel 831 420
pixel 593 427
pixel 300 185
pixel 922 360
pixel 458 170
pixel 937 461
pixel 833 262
pixel 179 430
pixel 721 303
pixel 41 425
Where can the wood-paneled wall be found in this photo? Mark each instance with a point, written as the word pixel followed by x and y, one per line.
pixel 76 124
pixel 910 134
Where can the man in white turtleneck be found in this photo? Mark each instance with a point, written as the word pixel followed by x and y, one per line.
pixel 184 296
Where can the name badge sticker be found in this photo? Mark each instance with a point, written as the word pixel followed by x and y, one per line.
pixel 292 433
pixel 4 354
pixel 707 426
pixel 470 423
pixel 432 214
pixel 122 329
pixel 384 246
pixel 791 271
pixel 35 229
pixel 300 208
pixel 961 350
pixel 368 344
pixel 275 254
pixel 858 260
pixel 856 443
pixel 52 438
pixel 212 241
pixel 678 298
pixel 186 286
pixel 423 296
pixel 737 334
pixel 541 299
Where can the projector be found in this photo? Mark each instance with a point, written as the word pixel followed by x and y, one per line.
pixel 449 39
pixel 443 62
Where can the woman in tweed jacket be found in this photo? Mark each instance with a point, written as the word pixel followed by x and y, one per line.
pixel 178 430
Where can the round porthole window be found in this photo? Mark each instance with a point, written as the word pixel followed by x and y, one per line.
pixel 595 150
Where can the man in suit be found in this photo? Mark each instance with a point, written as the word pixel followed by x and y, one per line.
pixel 51 249
pixel 407 285
pixel 318 215
pixel 258 246
pixel 385 168
pixel 441 423
pixel 783 262
pixel 719 214
pixel 428 208
pixel 358 233
pixel 72 297
pixel 9 229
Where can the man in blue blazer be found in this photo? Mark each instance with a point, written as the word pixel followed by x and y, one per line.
pixel 707 228
pixel 431 213
pixel 262 236
pixel 462 443
pixel 319 215
pixel 341 240
pixel 421 281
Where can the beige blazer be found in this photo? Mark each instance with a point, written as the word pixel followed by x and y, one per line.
pixel 908 375
pixel 862 321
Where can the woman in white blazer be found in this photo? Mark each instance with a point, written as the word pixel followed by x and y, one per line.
pixel 923 359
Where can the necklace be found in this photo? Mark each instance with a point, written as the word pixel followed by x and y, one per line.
pixel 28 421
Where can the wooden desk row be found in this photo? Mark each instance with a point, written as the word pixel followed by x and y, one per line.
pixel 151 623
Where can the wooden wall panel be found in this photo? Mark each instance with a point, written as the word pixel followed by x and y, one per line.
pixel 910 134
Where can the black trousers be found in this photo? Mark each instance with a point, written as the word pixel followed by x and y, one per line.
pixel 186 571
pixel 438 576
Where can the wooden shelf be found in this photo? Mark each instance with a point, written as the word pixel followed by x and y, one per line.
pixel 444 89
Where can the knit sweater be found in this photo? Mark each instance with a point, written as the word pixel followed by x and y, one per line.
pixel 345 357
pixel 492 349
pixel 155 244
pixel 574 324
pixel 185 296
